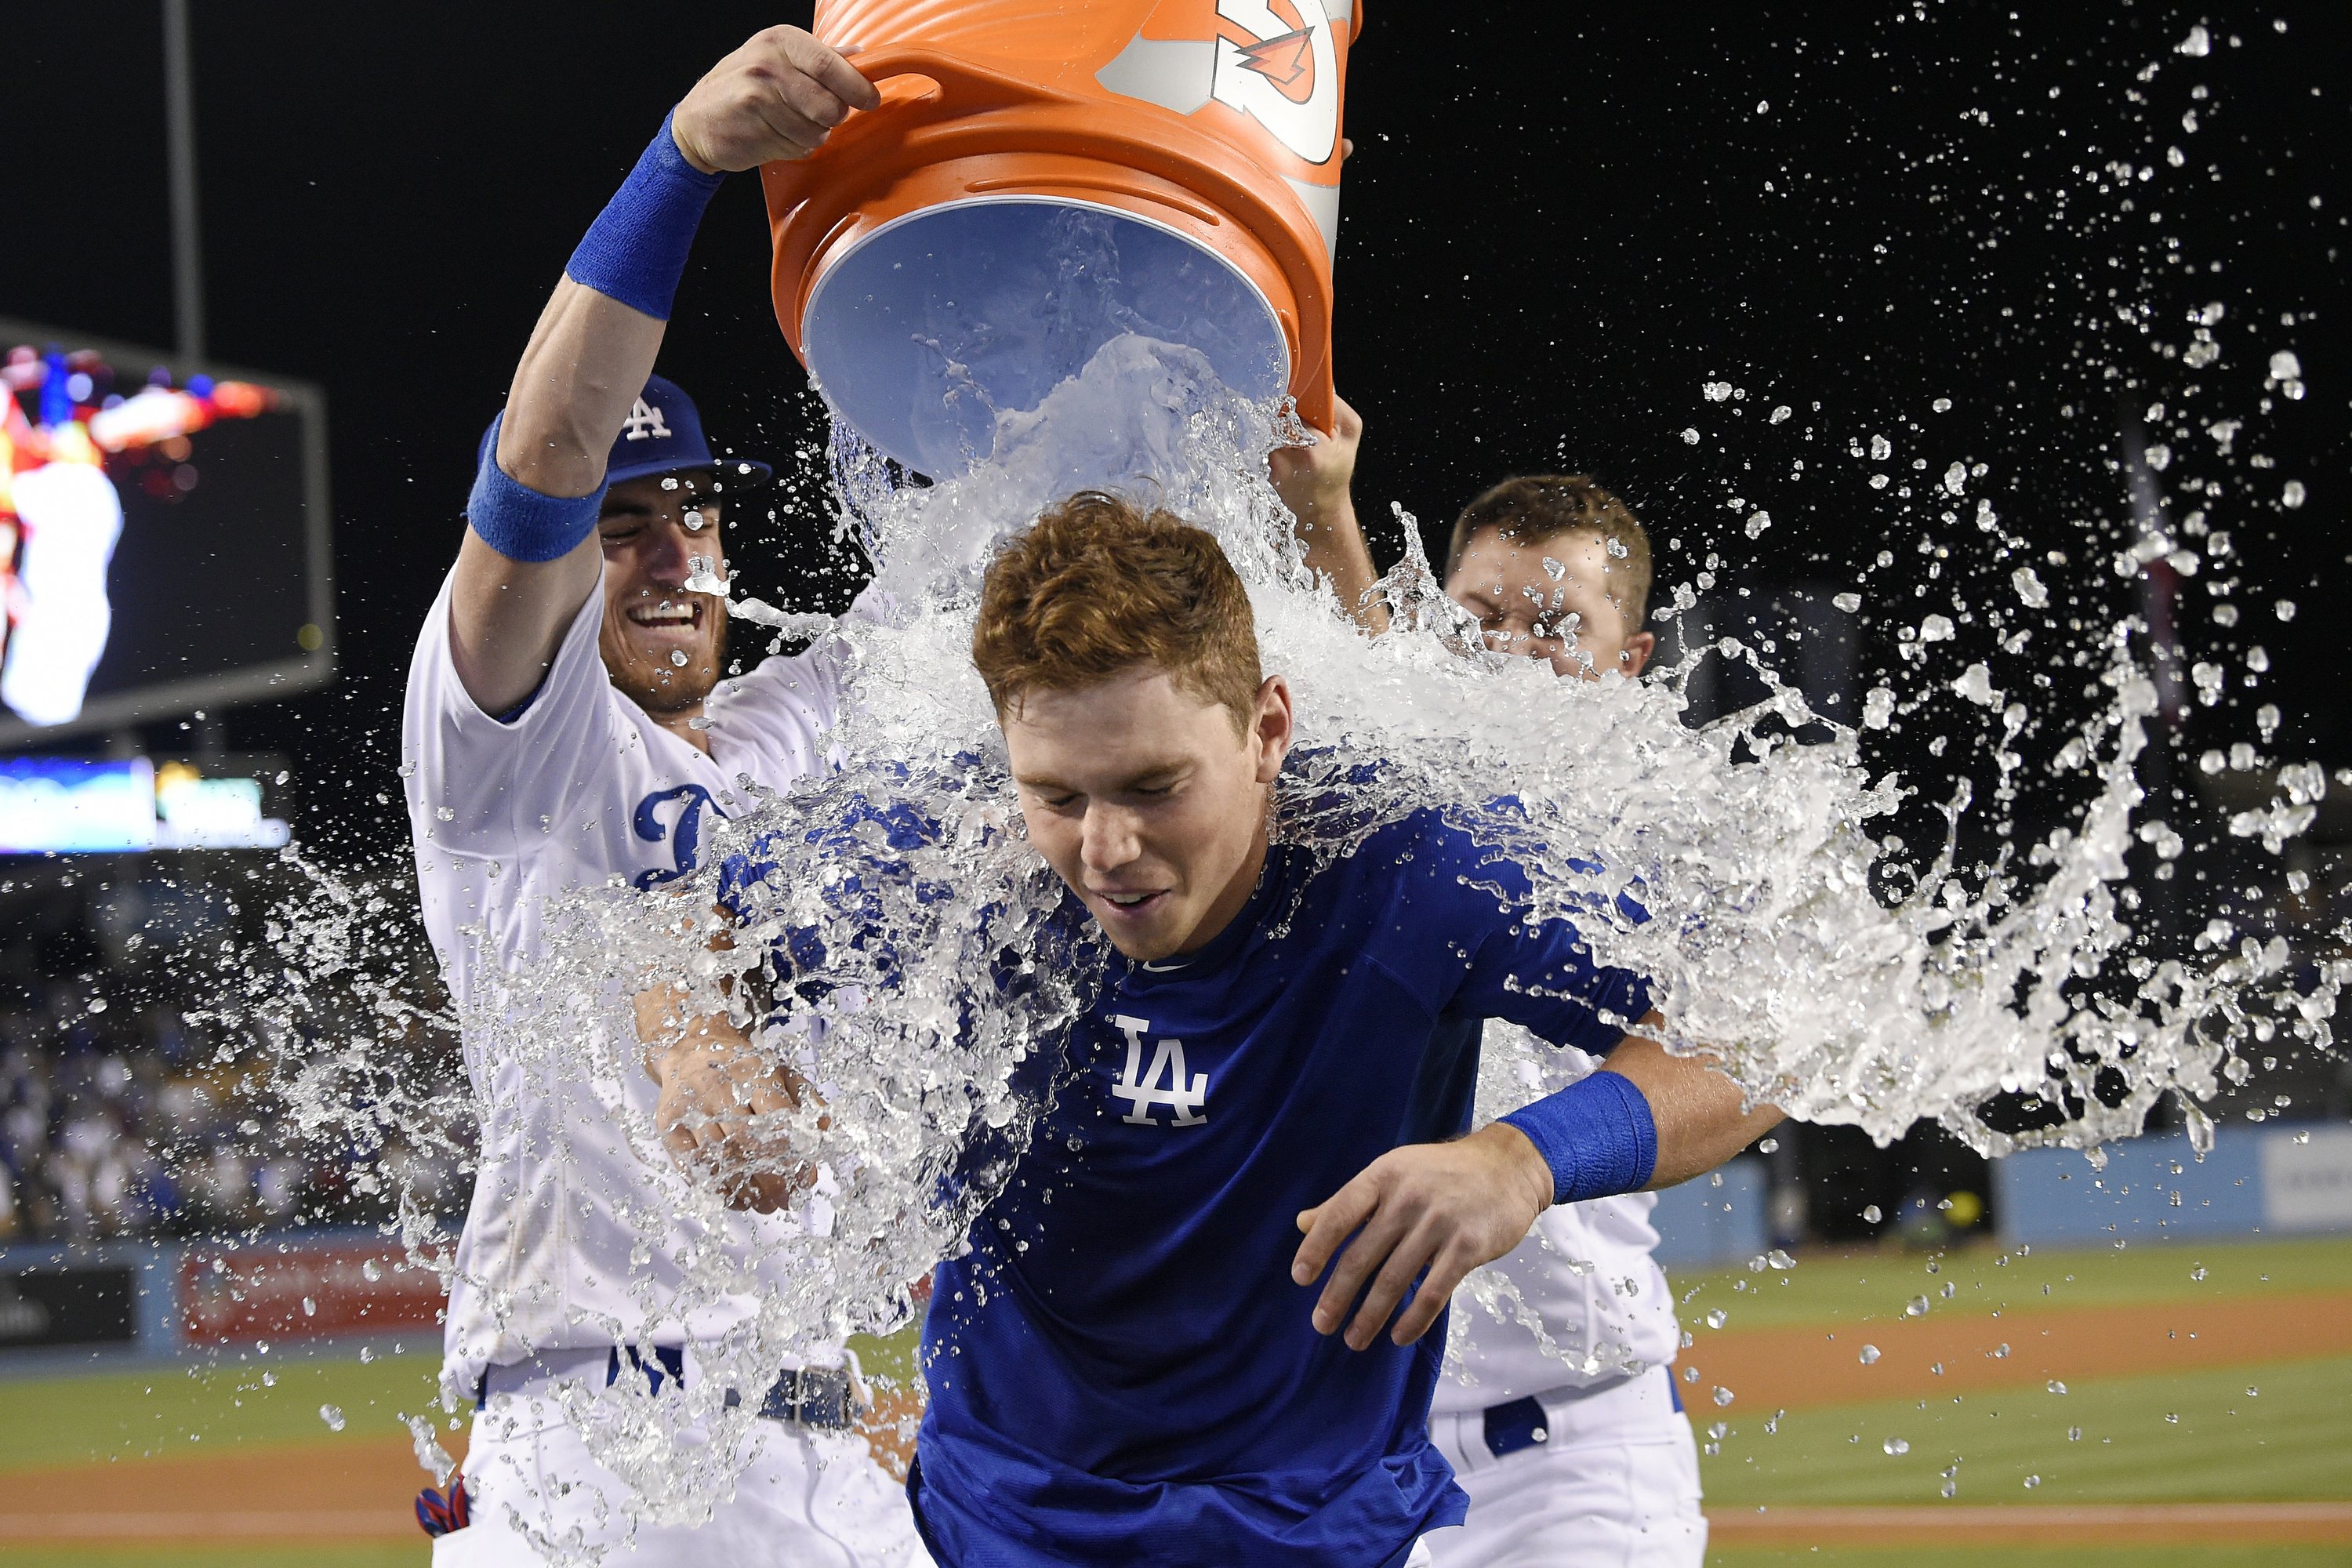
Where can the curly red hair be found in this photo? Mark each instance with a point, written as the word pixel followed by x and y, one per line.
pixel 1099 585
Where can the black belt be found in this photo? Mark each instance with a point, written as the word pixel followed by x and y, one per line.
pixel 814 1396
pixel 818 1396
pixel 1522 1423
pixel 1515 1425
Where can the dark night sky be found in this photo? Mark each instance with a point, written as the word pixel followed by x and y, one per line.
pixel 1561 222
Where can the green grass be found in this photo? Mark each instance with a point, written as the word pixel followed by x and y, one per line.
pixel 1844 1288
pixel 892 1358
pixel 2209 1556
pixel 201 1407
pixel 2291 1442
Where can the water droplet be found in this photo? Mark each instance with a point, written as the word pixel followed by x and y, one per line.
pixel 2031 1482
pixel 1881 448
pixel 1848 602
pixel 677 656
pixel 2056 1386
pixel 370 1270
pixel 1941 406
pixel 1716 391
pixel 1895 1446
pixel 1871 1216
pixel 1717 1318
pixel 2199 42
pixel 309 1307
pixel 332 1416
pixel 1782 413
pixel 1723 1396
pixel 1690 435
pixel 2284 609
pixel 1917 1306
pixel 2292 495
pixel 2252 1393
pixel 1869 1355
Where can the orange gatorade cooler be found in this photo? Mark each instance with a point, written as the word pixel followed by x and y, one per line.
pixel 1042 176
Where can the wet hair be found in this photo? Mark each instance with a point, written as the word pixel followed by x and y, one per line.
pixel 1535 508
pixel 1097 586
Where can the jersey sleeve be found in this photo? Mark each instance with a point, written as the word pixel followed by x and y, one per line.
pixel 1474 954
pixel 484 785
pixel 784 704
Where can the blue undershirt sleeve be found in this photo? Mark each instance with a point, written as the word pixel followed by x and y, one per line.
pixel 1597 1135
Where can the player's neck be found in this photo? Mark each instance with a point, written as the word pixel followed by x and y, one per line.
pixel 687 725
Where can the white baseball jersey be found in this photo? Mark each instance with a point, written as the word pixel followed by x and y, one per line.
pixel 1618 1308
pixel 580 788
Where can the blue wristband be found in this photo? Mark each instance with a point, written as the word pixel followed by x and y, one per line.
pixel 1597 1135
pixel 636 250
pixel 519 522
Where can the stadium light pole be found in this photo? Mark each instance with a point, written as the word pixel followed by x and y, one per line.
pixel 180 131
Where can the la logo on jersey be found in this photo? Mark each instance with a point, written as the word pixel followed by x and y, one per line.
pixel 1276 63
pixel 644 423
pixel 1164 1082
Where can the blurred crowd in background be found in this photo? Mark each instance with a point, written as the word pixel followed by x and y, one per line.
pixel 135 1098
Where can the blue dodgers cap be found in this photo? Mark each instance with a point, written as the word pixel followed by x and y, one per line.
pixel 662 434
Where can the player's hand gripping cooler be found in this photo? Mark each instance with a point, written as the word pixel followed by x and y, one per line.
pixel 1037 179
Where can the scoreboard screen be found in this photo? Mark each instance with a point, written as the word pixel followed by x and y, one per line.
pixel 164 536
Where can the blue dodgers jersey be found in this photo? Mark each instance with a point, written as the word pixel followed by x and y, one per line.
pixel 1121 1371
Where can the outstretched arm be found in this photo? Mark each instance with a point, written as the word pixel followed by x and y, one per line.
pixel 1448 1207
pixel 531 557
pixel 1314 484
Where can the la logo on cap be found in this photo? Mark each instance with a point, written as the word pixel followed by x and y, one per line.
pixel 645 420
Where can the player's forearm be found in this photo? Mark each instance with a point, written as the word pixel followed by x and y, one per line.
pixel 1700 1115
pixel 586 364
pixel 1648 1119
pixel 1332 541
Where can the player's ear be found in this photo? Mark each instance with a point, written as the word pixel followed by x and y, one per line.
pixel 1271 727
pixel 1638 649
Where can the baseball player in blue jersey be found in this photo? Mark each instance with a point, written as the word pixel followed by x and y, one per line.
pixel 1196 1330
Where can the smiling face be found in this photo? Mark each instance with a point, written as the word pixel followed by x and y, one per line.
pixel 662 644
pixel 1555 600
pixel 1151 802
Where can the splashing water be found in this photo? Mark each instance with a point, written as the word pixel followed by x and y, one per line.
pixel 1794 939
pixel 1779 950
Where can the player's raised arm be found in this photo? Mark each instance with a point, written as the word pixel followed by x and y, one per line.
pixel 531 555
pixel 1646 1120
pixel 1316 482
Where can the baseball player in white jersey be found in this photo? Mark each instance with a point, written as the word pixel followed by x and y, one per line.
pixel 1581 1454
pixel 568 724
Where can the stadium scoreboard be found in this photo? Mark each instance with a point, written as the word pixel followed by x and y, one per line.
pixel 165 537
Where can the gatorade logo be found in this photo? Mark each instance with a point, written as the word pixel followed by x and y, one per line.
pixel 1273 60
pixel 1277 64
